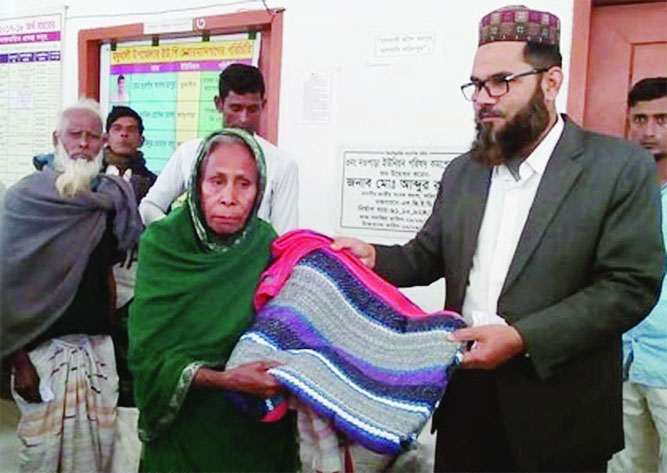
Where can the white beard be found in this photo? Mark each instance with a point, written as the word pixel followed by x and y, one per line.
pixel 76 174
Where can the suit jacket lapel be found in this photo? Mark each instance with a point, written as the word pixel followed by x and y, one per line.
pixel 559 176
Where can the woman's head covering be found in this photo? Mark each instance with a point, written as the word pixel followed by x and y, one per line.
pixel 208 238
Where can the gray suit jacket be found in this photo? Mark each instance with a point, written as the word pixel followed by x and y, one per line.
pixel 588 267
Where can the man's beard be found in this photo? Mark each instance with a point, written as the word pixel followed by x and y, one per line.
pixel 76 175
pixel 493 148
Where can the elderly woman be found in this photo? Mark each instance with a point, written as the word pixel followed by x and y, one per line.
pixel 197 272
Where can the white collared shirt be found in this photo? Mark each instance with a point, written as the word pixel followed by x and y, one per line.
pixel 114 171
pixel 505 215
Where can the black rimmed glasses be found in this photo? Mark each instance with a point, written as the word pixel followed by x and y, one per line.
pixel 495 86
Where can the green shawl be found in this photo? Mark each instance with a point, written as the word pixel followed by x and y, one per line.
pixel 193 299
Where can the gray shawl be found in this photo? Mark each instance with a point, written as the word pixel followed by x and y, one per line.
pixel 45 244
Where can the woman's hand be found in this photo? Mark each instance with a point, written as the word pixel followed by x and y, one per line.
pixel 26 379
pixel 250 378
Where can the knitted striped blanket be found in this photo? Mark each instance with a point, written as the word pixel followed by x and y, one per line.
pixel 353 348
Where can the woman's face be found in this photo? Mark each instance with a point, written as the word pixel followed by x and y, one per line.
pixel 228 188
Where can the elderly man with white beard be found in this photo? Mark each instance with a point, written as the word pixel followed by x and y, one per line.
pixel 63 228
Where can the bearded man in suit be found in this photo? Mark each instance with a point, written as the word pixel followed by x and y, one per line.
pixel 548 237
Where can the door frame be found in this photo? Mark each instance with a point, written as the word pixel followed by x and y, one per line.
pixel 581 36
pixel 580 52
pixel 268 22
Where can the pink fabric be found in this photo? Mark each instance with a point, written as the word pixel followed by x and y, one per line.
pixel 274 415
pixel 291 247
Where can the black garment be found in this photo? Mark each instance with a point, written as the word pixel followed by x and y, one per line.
pixel 89 311
pixel 121 344
pixel 142 178
pixel 470 410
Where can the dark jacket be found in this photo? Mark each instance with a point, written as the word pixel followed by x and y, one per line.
pixel 588 266
pixel 142 178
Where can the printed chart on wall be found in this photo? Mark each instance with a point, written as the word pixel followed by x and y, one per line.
pixel 390 190
pixel 172 86
pixel 30 88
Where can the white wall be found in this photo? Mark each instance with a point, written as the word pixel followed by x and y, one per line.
pixel 415 102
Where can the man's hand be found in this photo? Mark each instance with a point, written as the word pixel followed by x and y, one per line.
pixel 493 345
pixel 251 378
pixel 26 379
pixel 360 249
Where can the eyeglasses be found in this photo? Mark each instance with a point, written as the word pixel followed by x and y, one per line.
pixel 495 86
